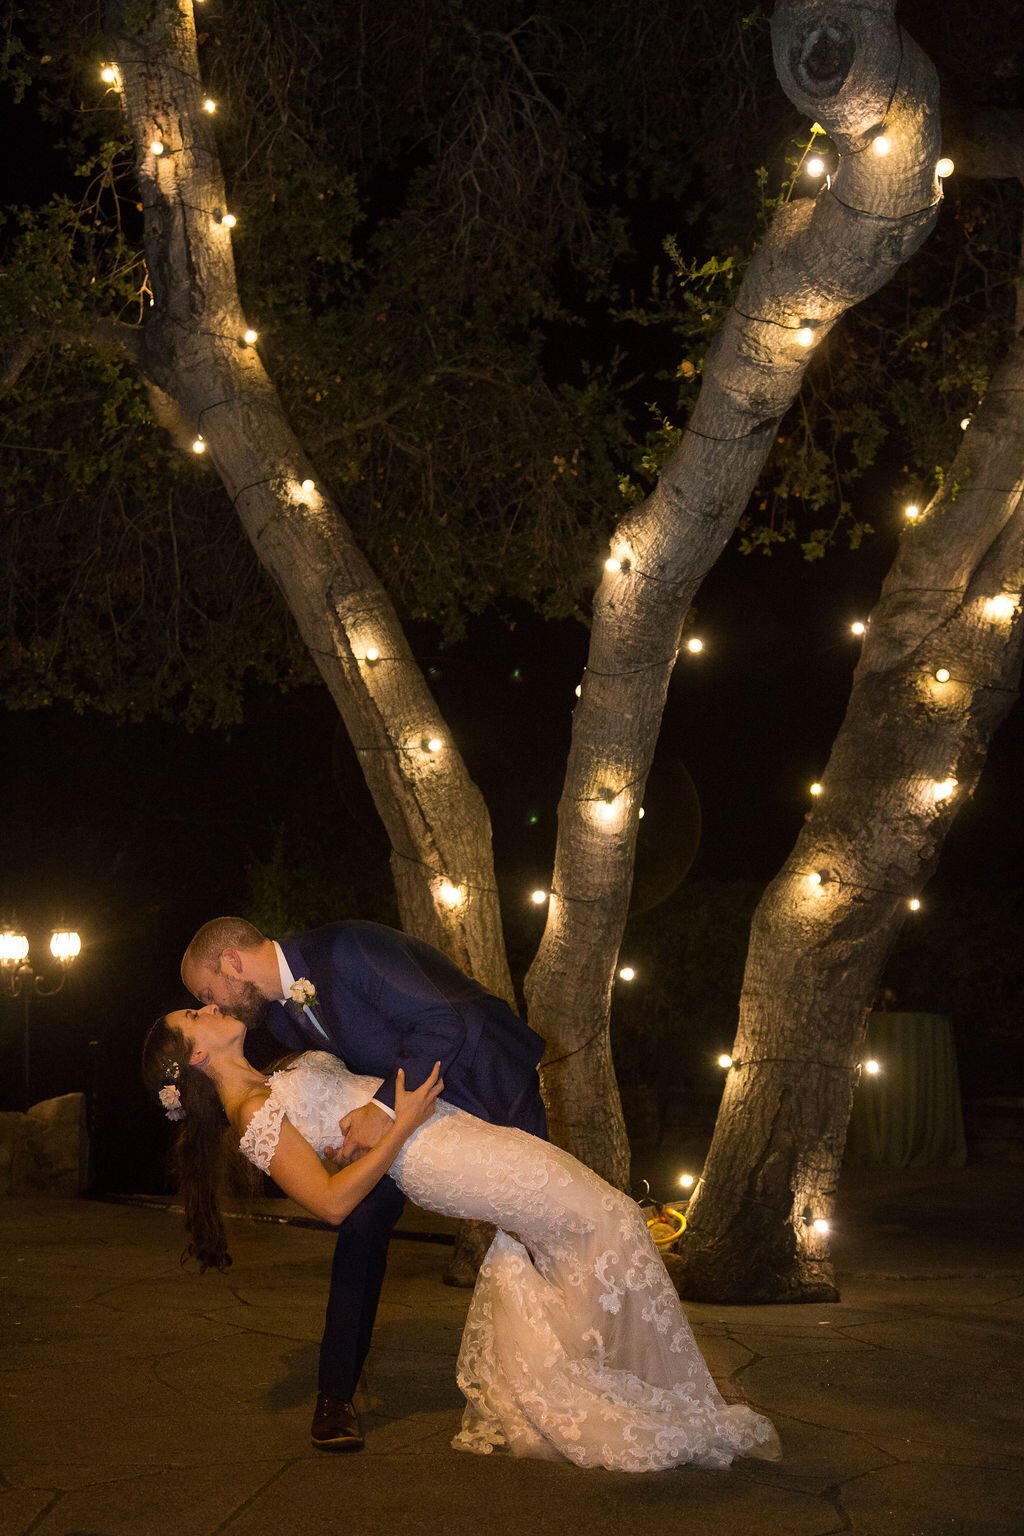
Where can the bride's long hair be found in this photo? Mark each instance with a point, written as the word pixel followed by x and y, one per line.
pixel 204 1159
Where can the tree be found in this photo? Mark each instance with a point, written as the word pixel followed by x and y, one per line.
pixel 207 383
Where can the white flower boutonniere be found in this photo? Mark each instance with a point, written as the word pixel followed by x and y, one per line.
pixel 303 992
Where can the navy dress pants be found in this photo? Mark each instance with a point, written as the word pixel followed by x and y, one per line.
pixel 357 1274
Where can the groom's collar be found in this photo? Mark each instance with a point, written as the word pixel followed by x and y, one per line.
pixel 285 972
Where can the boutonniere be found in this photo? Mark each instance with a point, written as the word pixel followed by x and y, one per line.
pixel 303 992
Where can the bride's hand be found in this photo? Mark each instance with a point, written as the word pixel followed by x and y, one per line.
pixel 412 1108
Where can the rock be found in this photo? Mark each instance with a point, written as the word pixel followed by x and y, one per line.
pixel 45 1152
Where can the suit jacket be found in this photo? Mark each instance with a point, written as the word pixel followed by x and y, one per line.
pixel 387 1000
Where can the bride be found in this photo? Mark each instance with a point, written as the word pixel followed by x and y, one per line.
pixel 575 1344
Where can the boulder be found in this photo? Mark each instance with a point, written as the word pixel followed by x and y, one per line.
pixel 46 1151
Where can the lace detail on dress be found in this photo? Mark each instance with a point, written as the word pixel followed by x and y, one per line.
pixel 259 1140
pixel 576 1344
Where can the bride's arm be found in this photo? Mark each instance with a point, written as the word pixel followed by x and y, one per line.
pixel 297 1170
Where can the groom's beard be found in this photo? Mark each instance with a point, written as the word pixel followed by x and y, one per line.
pixel 249 1005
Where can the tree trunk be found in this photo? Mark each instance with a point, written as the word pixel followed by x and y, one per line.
pixel 854 72
pixel 193 350
pixel 939 670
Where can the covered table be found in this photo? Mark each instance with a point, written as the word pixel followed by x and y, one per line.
pixel 909 1115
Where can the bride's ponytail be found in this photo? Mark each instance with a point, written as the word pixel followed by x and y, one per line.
pixel 200 1155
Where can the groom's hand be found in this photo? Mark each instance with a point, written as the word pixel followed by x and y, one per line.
pixel 362 1129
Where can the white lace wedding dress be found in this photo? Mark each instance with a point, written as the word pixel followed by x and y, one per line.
pixel 575 1344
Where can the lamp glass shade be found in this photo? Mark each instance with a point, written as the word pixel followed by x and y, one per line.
pixel 13 947
pixel 65 944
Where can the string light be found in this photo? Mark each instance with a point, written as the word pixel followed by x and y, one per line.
pixel 965 423
pixel 225 220
pixel 199 444
pixel 881 145
pixel 108 74
pixel 912 512
pixel 1003 606
pixel 627 973
pixel 579 690
pixel 805 335
pixel 641 813
pixel 725 1060
pixel 817 789
pixel 858 627
pixel 914 903
pixel 606 807
pixel 942 675
pixel 431 743
pixel 250 337
pixel 815 166
pixel 449 893
pixel 694 645
pixel 308 485
pixel 156 147
pixel 538 897
pixel 372 655
pixel 686 1181
pixel 617 563
pixel 820 1226
pixel 209 105
pixel 944 167
pixel 942 789
pixel 872 1067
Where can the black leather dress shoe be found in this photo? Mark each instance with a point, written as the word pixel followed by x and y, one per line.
pixel 335 1426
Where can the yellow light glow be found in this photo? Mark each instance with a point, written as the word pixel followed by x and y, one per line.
pixel 872 1068
pixel 694 645
pixel 815 166
pixel 13 947
pixel 538 897
pixel 627 973
pixel 156 146
pixel 199 445
pixel 65 945
pixel 432 744
pixel 942 675
pixel 686 1181
pixel 912 512
pixel 450 894
pixel 1001 607
pixel 805 336
pixel 227 221
pixel 944 167
pixel 914 903
pixel 308 485
pixel 725 1060
pixel 617 563
pixel 858 627
pixel 965 422
pixel 820 1226
pixel 250 337
pixel 209 105
pixel 372 654
pixel 943 788
pixel 606 807
pixel 881 145
pixel 641 813
pixel 579 690
pixel 814 880
pixel 108 74
pixel 817 789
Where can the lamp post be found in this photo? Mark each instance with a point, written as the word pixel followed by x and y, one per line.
pixel 21 979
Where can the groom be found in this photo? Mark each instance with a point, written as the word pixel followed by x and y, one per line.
pixel 380 1000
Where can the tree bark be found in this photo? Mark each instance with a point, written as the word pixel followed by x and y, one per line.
pixel 939 670
pixel 192 349
pixel 855 71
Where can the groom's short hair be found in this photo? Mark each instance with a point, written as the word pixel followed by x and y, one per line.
pixel 214 937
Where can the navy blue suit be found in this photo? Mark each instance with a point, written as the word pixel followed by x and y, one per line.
pixel 386 1000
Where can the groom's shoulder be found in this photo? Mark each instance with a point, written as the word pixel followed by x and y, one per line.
pixel 353 936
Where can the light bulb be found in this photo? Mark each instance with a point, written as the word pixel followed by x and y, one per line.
pixel 432 743
pixel 156 147
pixel 944 167
pixel 817 789
pixel 912 512
pixel 942 675
pixel 617 563
pixel 805 336
pixel 686 1181
pixel 881 145
pixel 814 879
pixel 914 903
pixel 627 973
pixel 641 813
pixel 250 337
pixel 858 627
pixel 372 654
pixel 872 1067
pixel 694 646
pixel 725 1060
pixel 820 1225
pixel 13 947
pixel 538 898
pixel 108 74
pixel 1001 607
pixel 579 690
pixel 450 894
pixel 943 788
pixel 227 221
pixel 199 445
pixel 65 945
pixel 965 422
pixel 209 105
pixel 308 485
pixel 815 166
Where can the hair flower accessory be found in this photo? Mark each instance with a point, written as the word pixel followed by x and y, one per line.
pixel 170 1098
pixel 303 992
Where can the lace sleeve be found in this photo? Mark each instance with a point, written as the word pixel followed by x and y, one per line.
pixel 259 1141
